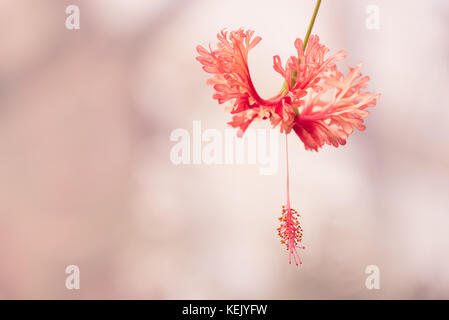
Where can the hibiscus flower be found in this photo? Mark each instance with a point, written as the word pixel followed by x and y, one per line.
pixel 318 102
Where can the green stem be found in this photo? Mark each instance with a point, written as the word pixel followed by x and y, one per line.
pixel 312 22
pixel 284 89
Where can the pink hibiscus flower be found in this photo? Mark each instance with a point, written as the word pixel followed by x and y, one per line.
pixel 301 105
pixel 318 102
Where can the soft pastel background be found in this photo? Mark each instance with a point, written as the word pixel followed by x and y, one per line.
pixel 86 179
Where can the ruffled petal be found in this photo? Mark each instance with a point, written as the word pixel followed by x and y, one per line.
pixel 332 121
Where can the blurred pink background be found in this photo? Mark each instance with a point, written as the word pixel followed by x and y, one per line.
pixel 86 178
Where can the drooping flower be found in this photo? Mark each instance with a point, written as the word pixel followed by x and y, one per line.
pixel 301 107
pixel 318 102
